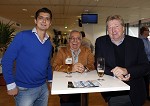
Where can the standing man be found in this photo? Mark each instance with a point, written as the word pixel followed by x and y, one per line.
pixel 126 60
pixel 31 50
pixel 144 32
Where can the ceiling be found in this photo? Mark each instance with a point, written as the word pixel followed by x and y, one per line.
pixel 67 12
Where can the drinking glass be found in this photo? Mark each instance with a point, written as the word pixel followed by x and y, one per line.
pixel 100 66
pixel 68 62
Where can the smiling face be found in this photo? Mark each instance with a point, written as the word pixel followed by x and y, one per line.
pixel 75 40
pixel 43 21
pixel 115 30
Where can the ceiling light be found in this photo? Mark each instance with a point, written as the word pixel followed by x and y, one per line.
pixel 86 10
pixel 66 27
pixel 32 16
pixel 24 9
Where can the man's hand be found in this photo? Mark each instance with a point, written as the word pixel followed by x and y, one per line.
pixel 78 67
pixel 124 78
pixel 49 86
pixel 13 92
pixel 118 71
pixel 121 73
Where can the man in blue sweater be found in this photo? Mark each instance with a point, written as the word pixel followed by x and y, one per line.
pixel 31 51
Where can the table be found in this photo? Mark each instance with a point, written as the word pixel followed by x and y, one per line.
pixel 60 84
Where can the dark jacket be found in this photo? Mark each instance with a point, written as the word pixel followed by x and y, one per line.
pixel 136 64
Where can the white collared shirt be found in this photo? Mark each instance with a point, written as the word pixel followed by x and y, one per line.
pixel 118 42
pixel 45 37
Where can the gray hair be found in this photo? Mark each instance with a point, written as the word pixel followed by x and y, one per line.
pixel 73 32
pixel 115 17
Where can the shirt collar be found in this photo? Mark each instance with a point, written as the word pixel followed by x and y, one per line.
pixel 142 37
pixel 120 42
pixel 75 56
pixel 77 51
pixel 45 37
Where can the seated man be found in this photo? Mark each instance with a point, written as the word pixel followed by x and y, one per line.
pixel 81 56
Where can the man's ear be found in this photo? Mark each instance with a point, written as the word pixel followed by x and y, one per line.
pixel 50 23
pixel 35 21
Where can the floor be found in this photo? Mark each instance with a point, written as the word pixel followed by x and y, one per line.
pixel 95 99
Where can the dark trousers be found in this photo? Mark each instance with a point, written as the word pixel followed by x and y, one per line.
pixel 123 100
pixel 70 104
pixel 70 99
pixel 146 78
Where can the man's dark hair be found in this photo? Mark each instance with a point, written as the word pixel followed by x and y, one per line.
pixel 45 10
pixel 83 34
pixel 142 29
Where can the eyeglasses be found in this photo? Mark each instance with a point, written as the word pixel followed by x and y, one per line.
pixel 41 18
pixel 75 39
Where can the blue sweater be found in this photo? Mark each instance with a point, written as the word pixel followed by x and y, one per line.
pixel 32 61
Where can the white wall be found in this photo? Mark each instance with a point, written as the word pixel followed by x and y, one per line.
pixel 133 31
pixel 93 31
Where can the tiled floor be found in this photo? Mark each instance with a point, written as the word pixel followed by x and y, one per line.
pixel 95 99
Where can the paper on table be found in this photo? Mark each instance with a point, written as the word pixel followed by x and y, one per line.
pixel 83 84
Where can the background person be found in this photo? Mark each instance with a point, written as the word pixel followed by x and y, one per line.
pixel 81 55
pixel 86 42
pixel 144 32
pixel 31 49
pixel 125 59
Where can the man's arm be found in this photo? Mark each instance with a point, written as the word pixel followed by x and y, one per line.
pixel 8 61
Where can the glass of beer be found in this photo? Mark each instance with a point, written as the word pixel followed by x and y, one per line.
pixel 100 66
pixel 68 62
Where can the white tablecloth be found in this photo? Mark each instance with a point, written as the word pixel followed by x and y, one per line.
pixel 60 83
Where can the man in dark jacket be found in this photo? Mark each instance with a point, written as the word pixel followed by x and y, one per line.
pixel 125 59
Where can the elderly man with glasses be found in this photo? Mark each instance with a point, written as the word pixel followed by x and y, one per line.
pixel 82 59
